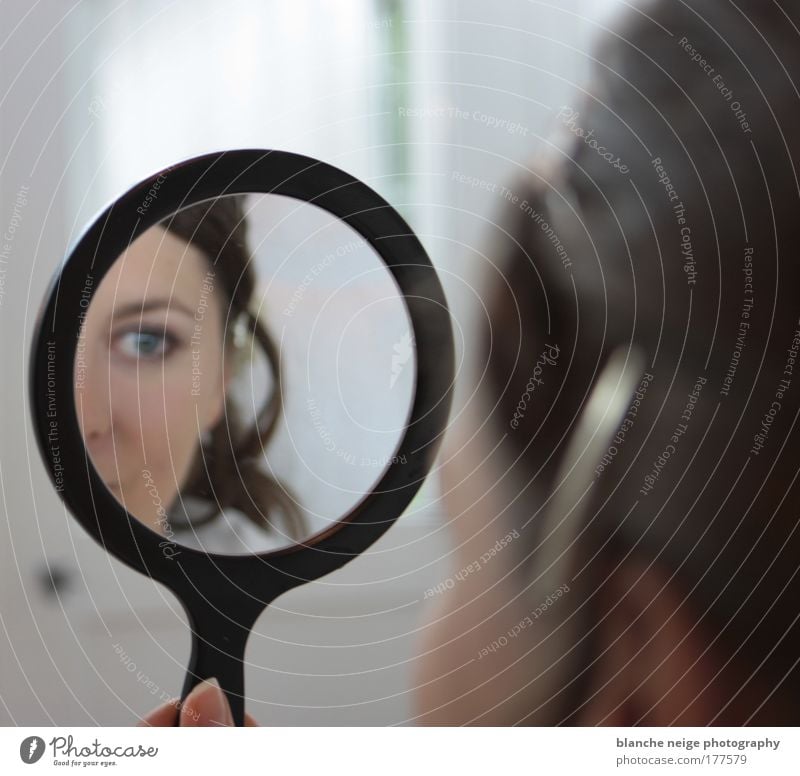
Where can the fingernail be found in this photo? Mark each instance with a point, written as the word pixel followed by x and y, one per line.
pixel 207 705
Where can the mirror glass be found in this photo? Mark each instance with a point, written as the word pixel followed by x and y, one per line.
pixel 244 373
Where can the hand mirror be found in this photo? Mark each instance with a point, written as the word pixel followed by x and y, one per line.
pixel 239 380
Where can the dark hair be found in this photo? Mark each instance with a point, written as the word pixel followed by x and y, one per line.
pixel 690 254
pixel 227 472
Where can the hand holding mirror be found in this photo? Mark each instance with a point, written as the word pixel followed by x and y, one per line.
pixel 240 378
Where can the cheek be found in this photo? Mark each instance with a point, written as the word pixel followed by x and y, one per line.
pixel 160 410
pixel 133 404
pixel 177 418
pixel 208 383
pixel 155 417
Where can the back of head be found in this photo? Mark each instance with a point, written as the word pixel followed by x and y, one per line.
pixel 671 222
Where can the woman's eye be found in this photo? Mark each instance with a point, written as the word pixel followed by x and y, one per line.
pixel 144 344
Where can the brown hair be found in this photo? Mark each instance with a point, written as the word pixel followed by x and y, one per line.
pixel 227 471
pixel 690 254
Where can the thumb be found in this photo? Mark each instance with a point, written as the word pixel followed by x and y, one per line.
pixel 206 706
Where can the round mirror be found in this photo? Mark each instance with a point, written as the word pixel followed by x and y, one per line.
pixel 244 373
pixel 239 380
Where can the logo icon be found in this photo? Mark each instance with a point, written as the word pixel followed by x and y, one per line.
pixel 31 749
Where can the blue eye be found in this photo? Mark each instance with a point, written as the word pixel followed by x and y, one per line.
pixel 144 344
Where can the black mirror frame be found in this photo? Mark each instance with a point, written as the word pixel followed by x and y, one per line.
pixel 224 594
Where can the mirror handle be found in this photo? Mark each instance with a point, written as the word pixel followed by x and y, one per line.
pixel 218 648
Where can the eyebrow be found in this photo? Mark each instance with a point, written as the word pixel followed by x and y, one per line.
pixel 139 308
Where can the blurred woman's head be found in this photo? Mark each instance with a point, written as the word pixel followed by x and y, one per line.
pixel 669 225
pixel 163 338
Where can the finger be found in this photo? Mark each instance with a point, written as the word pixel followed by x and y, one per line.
pixel 249 721
pixel 163 716
pixel 206 706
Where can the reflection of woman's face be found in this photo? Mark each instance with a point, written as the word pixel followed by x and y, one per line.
pixel 149 371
